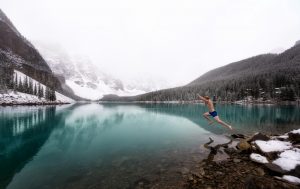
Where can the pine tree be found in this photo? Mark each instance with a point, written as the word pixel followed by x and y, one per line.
pixel 35 90
pixel 20 85
pixel 50 94
pixel 16 82
pixel 26 86
pixel 30 86
pixel 40 91
pixel 47 94
pixel 53 95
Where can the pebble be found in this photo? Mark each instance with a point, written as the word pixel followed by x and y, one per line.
pixel 219 173
pixel 185 171
pixel 259 171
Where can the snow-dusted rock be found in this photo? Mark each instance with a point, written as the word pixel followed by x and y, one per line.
pixel 291 179
pixel 289 159
pixel 258 158
pixel 272 145
pixel 281 137
pixel 296 131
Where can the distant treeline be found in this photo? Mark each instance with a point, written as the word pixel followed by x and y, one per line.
pixel 233 90
pixel 263 77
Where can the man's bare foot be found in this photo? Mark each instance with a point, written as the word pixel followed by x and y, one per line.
pixel 230 127
pixel 210 123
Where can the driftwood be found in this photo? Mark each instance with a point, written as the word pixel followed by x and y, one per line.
pixel 214 150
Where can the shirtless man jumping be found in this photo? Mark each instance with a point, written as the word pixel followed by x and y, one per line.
pixel 212 112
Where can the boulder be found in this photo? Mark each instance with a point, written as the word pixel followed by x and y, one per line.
pixel 272 146
pixel 291 179
pixel 259 136
pixel 243 145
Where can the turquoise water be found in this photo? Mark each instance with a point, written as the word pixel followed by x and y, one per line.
pixel 118 146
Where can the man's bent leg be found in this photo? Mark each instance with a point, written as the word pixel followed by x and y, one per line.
pixel 206 116
pixel 222 122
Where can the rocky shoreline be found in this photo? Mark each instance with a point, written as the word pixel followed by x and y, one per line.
pixel 251 163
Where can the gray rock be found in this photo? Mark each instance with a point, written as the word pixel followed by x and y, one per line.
pixel 184 171
pixel 201 171
pixel 219 173
pixel 235 160
pixel 230 150
pixel 259 136
pixel 275 168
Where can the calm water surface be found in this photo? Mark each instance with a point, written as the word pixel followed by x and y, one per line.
pixel 118 146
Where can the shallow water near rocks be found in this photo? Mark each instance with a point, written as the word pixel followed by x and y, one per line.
pixel 119 145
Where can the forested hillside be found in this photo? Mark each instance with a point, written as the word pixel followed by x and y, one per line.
pixel 263 77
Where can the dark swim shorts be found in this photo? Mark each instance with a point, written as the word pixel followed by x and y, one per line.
pixel 214 113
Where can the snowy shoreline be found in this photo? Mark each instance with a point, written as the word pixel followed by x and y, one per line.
pixel 12 98
pixel 257 161
pixel 34 103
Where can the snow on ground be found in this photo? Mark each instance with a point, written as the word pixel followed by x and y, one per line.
pixel 291 179
pixel 289 159
pixel 63 98
pixel 14 97
pixel 273 145
pixel 19 98
pixel 258 158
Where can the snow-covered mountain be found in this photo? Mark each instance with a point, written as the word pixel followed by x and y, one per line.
pixel 85 79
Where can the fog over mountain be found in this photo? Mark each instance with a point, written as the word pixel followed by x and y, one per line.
pixel 87 80
pixel 173 40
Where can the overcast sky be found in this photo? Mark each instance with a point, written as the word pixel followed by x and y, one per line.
pixel 175 40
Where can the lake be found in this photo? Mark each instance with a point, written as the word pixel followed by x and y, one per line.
pixel 119 145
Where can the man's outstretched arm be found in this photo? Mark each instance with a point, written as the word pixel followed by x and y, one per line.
pixel 202 98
